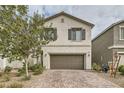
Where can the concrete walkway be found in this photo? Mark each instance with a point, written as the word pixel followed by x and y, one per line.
pixel 69 79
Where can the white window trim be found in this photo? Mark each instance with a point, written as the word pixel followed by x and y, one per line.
pixel 120 33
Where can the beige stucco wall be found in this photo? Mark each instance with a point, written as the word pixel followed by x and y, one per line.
pixel 62 31
pixel 67 50
pixel 64 46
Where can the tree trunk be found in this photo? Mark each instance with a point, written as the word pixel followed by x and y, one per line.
pixel 26 67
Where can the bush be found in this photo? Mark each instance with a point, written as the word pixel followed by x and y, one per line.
pixel 38 71
pixel 35 67
pixel 24 65
pixel 21 70
pixel 96 67
pixel 121 69
pixel 6 78
pixel 2 85
pixel 15 85
pixel 7 69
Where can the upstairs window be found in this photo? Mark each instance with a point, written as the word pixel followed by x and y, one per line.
pixel 50 34
pixel 76 34
pixel 121 33
pixel 62 20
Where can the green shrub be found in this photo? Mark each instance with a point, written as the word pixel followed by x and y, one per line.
pixel 24 65
pixel 6 77
pixel 35 67
pixel 38 71
pixel 120 67
pixel 21 70
pixel 7 69
pixel 2 85
pixel 96 67
pixel 15 85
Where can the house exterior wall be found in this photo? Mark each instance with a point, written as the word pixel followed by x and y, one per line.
pixel 117 41
pixel 64 46
pixel 62 31
pixel 100 52
pixel 101 45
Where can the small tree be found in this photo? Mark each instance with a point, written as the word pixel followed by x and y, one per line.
pixel 21 35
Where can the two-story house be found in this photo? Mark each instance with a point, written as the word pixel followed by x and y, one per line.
pixel 72 47
pixel 110 41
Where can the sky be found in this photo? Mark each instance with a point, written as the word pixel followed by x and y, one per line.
pixel 101 16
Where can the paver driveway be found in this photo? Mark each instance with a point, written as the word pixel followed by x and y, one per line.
pixel 69 79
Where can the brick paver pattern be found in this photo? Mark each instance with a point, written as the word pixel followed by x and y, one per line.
pixel 69 79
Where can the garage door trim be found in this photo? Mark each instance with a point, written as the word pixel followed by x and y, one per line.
pixel 67 61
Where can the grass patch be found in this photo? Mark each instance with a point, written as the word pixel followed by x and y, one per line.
pixel 15 85
pixel 6 77
pixel 25 78
pixel 2 85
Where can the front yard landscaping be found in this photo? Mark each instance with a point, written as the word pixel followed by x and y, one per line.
pixel 10 78
pixel 61 79
pixel 41 78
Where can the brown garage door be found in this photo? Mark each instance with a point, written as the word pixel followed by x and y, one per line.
pixel 67 62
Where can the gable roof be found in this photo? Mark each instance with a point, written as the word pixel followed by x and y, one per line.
pixel 112 25
pixel 68 15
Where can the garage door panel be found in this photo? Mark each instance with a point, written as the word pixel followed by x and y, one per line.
pixel 66 62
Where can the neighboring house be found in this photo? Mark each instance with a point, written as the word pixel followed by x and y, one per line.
pixel 72 46
pixel 110 41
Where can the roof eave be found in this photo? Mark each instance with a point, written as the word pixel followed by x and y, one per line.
pixel 73 17
pixel 112 25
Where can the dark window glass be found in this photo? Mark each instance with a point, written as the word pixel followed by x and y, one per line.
pixel 76 34
pixel 62 20
pixel 50 34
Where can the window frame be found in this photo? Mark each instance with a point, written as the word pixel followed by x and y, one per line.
pixel 75 34
pixel 120 33
pixel 52 29
pixel 73 30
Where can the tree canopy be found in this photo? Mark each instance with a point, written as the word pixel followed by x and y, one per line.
pixel 21 35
